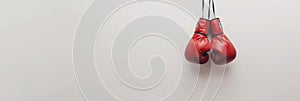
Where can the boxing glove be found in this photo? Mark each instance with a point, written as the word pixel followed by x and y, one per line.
pixel 223 50
pixel 198 46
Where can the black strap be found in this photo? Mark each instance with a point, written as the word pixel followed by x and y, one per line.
pixel 202 8
pixel 213 7
pixel 209 10
pixel 211 2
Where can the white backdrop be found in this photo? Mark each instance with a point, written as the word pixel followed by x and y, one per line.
pixel 36 38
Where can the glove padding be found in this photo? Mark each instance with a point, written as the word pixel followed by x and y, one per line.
pixel 223 51
pixel 197 48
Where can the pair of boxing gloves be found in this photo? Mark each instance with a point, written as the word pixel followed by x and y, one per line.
pixel 222 50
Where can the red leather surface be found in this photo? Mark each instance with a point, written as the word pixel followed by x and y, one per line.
pixel 202 26
pixel 216 26
pixel 223 50
pixel 197 48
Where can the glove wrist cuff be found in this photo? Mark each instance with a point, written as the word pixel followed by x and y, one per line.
pixel 202 26
pixel 216 26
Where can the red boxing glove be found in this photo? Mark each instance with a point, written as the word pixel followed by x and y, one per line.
pixel 223 50
pixel 197 48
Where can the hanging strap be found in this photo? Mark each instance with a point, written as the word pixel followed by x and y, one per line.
pixel 211 3
pixel 202 8
pixel 209 10
pixel 213 8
